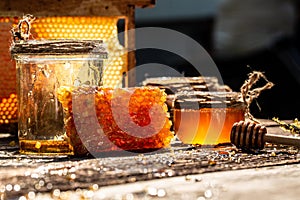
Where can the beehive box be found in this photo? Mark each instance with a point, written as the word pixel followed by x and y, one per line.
pixel 69 19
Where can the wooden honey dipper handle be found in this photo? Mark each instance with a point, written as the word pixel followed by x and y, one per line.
pixel 282 139
pixel 252 136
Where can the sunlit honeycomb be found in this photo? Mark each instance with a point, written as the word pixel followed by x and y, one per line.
pixel 8 109
pixel 93 28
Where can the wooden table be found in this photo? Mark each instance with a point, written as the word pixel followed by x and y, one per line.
pixel 179 172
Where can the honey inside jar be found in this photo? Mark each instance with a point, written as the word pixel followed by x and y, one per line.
pixel 206 118
pixel 47 147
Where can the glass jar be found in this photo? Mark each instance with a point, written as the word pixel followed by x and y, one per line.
pixel 206 118
pixel 42 67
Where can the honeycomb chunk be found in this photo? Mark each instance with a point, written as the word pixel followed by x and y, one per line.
pixel 99 119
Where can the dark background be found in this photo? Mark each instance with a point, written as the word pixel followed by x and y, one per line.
pixel 196 19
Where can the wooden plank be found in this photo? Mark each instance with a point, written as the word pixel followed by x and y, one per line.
pixel 243 184
pixel 130 45
pixel 70 7
pixel 47 8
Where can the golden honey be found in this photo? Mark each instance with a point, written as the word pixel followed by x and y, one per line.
pixel 203 127
pixel 57 147
pixel 207 120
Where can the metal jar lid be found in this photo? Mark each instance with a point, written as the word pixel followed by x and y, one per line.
pixel 173 85
pixel 199 99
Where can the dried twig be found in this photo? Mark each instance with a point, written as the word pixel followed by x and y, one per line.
pixel 22 31
pixel 249 94
pixel 293 127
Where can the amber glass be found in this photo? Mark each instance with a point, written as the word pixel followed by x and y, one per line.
pixel 209 123
pixel 203 127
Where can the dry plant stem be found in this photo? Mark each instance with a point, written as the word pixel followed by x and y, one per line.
pixel 293 127
pixel 22 31
pixel 249 94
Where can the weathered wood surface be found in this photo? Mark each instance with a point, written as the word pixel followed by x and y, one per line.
pixel 276 183
pixel 47 8
pixel 181 171
pixel 59 47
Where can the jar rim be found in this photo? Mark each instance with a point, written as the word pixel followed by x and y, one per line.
pixel 207 99
pixel 59 47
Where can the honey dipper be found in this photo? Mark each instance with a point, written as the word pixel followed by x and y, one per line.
pixel 252 136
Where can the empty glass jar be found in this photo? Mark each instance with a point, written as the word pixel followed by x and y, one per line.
pixel 42 67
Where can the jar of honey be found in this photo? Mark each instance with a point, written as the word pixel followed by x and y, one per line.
pixel 42 67
pixel 206 118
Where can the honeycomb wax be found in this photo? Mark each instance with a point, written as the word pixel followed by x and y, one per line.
pixel 99 119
